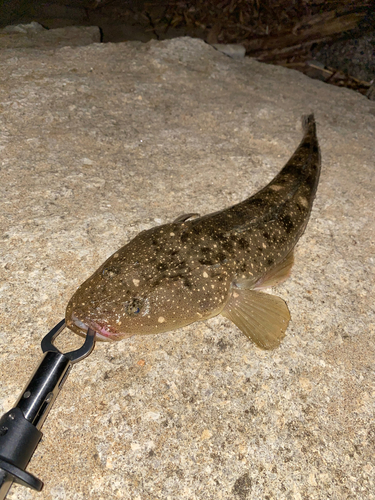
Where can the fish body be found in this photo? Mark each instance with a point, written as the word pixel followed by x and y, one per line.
pixel 193 269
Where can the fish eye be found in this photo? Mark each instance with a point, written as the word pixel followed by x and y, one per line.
pixel 133 307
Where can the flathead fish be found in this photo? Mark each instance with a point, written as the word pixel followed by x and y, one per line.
pixel 195 268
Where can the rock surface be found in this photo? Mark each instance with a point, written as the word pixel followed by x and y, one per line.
pixel 234 50
pixel 100 142
pixel 33 35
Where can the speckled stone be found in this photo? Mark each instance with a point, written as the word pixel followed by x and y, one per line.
pixel 33 35
pixel 234 50
pixel 100 142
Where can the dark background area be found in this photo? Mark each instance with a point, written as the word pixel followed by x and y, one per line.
pixel 326 39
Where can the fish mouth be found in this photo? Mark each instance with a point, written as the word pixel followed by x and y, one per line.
pixel 102 333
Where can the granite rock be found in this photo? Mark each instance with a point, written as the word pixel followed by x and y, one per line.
pixel 33 35
pixel 103 141
pixel 234 50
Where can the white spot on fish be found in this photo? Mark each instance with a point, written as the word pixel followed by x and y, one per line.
pixel 303 201
pixel 161 319
pixel 171 234
pixel 205 275
pixel 275 187
pixel 136 282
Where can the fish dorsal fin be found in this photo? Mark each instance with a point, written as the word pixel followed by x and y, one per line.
pixel 273 277
pixel 263 318
pixel 184 217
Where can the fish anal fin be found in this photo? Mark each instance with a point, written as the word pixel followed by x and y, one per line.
pixel 277 274
pixel 262 317
pixel 184 217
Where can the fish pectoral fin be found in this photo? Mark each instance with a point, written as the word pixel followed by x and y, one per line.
pixel 263 318
pixel 277 274
pixel 184 217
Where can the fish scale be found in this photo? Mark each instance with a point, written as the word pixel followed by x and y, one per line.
pixel 193 269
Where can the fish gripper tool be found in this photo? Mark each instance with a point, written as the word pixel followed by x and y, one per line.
pixel 20 427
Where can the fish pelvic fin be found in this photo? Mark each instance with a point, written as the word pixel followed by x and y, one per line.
pixel 263 318
pixel 277 274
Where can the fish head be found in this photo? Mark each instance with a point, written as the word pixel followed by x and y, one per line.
pixel 130 296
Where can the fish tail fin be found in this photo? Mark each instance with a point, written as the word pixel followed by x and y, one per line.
pixel 304 164
pixel 308 124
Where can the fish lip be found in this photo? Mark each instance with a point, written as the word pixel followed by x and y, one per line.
pixel 101 332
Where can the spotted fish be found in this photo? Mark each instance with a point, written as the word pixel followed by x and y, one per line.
pixel 195 268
